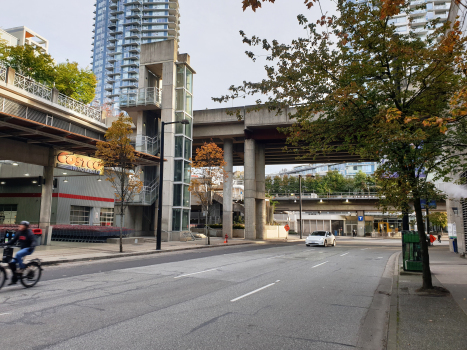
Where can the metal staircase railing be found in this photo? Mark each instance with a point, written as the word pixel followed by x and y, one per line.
pixel 146 144
pixel 148 195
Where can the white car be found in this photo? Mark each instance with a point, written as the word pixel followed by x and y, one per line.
pixel 323 238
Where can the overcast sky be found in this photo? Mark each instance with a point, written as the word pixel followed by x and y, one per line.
pixel 209 33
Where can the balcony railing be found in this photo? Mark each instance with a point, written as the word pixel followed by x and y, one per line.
pixel 33 87
pixel 79 107
pixel 143 97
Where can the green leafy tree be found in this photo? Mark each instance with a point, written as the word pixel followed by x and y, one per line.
pixel 29 61
pixel 439 219
pixel 75 82
pixel 360 86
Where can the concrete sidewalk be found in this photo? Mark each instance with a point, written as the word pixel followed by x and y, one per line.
pixel 61 252
pixel 426 322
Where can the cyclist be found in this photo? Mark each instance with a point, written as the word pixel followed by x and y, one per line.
pixel 27 243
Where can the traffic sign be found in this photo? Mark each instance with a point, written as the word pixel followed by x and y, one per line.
pixel 360 218
pixel 287 227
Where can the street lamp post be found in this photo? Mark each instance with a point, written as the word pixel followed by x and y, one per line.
pixel 161 182
pixel 300 196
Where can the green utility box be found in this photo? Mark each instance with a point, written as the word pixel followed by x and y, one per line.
pixel 411 251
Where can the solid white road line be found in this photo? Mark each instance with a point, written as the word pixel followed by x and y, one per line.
pixel 255 291
pixel 194 273
pixel 6 313
pixel 319 264
pixel 364 248
pixel 345 254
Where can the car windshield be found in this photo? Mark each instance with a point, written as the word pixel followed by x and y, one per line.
pixel 318 233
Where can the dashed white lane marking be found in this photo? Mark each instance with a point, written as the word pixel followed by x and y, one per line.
pixel 255 291
pixel 194 273
pixel 345 254
pixel 364 248
pixel 6 313
pixel 277 256
pixel 319 264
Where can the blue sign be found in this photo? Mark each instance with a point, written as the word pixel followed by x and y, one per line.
pixel 360 218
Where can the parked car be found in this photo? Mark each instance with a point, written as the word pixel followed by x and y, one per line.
pixel 324 238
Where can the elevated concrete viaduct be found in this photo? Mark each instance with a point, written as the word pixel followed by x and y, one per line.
pixel 250 138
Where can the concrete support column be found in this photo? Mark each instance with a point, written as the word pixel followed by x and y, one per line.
pixel 260 175
pixel 167 116
pixel 250 189
pixel 46 200
pixel 227 189
pixel 361 224
pixel 10 76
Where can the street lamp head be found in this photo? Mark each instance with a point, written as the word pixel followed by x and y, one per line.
pixel 184 122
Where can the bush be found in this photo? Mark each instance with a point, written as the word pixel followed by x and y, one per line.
pixel 215 226
pixel 238 227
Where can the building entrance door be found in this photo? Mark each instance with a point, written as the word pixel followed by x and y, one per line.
pixel 350 228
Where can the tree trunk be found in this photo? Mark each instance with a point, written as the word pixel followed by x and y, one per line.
pixel 427 282
pixel 121 231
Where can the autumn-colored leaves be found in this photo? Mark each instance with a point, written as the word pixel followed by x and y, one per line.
pixel 255 4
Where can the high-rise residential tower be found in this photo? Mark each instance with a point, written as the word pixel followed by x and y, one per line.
pixel 120 27
pixel 423 12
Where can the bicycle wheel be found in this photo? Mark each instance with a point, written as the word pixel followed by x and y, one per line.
pixel 2 276
pixel 31 274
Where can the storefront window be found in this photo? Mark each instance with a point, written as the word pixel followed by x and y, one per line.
pixel 106 217
pixel 8 214
pixel 79 215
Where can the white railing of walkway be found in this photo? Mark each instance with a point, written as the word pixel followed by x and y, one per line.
pixel 33 87
pixel 79 107
pixel 339 195
pixel 43 91
pixel 2 72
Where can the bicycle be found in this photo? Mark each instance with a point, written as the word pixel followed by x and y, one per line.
pixel 30 275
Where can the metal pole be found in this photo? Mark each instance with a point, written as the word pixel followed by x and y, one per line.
pixel 300 185
pixel 161 182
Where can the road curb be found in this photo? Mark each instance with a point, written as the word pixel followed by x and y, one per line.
pixel 373 332
pixel 394 308
pixel 126 255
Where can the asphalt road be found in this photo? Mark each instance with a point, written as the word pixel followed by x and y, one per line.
pixel 283 296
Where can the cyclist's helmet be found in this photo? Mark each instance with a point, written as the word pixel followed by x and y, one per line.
pixel 25 223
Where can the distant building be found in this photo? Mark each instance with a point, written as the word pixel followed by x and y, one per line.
pixel 24 36
pixel 424 11
pixel 346 169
